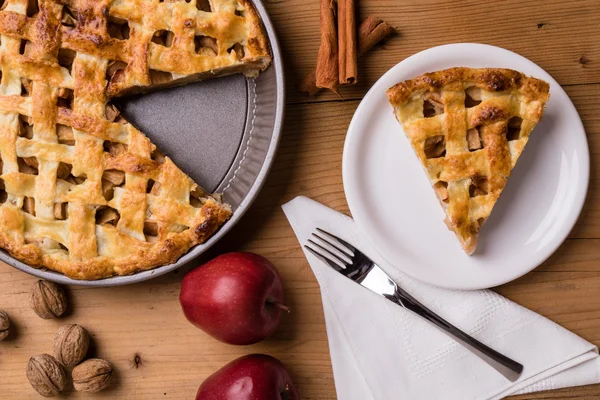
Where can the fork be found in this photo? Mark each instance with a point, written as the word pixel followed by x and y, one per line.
pixel 355 265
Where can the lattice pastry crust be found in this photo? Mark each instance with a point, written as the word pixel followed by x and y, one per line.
pixel 468 127
pixel 83 192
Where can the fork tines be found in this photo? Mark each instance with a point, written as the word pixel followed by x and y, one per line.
pixel 331 249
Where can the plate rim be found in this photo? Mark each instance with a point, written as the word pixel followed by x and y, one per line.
pixel 197 251
pixel 358 217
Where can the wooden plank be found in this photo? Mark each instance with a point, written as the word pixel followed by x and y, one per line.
pixel 158 354
pixel 581 393
pixel 560 36
pixel 588 225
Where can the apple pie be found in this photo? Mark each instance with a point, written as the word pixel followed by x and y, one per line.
pixel 82 191
pixel 468 128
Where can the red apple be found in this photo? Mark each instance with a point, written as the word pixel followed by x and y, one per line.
pixel 252 377
pixel 236 298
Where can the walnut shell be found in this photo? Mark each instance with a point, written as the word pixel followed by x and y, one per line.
pixel 47 300
pixel 4 325
pixel 46 375
pixel 71 344
pixel 92 375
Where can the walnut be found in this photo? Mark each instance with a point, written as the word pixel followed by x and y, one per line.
pixel 4 325
pixel 47 300
pixel 46 375
pixel 92 375
pixel 71 345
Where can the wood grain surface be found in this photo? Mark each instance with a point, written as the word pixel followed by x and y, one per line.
pixel 157 354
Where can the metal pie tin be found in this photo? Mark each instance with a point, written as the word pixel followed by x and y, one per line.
pixel 222 132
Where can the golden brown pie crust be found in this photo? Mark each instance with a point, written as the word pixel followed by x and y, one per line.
pixel 82 191
pixel 469 146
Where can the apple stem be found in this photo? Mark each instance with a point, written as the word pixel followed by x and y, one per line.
pixel 279 305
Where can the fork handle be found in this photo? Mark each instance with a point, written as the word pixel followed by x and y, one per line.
pixel 509 368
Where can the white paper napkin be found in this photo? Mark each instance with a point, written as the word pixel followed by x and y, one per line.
pixel 380 351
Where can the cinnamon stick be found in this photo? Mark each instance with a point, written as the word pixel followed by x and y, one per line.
pixel 327 60
pixel 348 68
pixel 372 31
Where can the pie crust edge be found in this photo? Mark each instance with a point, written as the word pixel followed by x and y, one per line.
pixel 213 215
pixel 489 79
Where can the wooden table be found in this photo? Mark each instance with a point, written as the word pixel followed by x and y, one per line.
pixel 140 328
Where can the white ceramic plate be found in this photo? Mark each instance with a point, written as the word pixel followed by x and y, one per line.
pixel 393 203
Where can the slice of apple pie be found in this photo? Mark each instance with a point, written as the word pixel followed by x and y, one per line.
pixel 468 127
pixel 82 191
